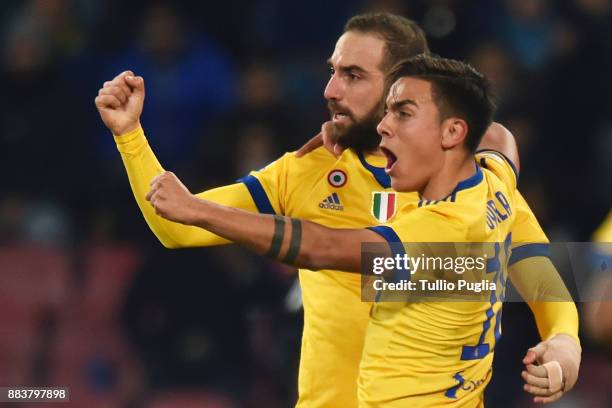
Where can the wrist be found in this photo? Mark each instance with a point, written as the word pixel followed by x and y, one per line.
pixel 199 212
pixel 126 129
pixel 566 337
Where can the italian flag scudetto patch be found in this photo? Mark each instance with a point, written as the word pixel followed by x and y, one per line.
pixel 384 205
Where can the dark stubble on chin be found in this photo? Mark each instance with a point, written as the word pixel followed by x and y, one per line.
pixel 361 135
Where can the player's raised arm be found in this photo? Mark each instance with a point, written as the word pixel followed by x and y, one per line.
pixel 289 240
pixel 538 282
pixel 501 140
pixel 142 166
pixel 120 102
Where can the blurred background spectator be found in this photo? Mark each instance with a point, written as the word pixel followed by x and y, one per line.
pixel 88 297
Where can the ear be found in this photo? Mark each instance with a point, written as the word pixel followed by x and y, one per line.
pixel 454 132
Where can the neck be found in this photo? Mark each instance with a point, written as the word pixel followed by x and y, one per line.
pixel 456 168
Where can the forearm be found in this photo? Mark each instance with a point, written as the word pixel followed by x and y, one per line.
pixel 538 282
pixel 289 240
pixel 554 318
pixel 142 166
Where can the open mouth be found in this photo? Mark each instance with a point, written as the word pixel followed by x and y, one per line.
pixel 391 158
pixel 340 116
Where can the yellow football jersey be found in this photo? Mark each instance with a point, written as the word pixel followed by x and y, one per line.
pixel 336 192
pixel 439 353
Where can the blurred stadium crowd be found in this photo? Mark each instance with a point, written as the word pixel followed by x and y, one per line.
pixel 89 299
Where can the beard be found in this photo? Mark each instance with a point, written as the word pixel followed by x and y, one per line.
pixel 360 135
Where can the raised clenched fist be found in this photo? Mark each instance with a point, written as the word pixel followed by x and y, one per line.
pixel 120 102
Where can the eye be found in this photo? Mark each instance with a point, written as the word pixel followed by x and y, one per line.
pixel 332 71
pixel 403 114
pixel 353 77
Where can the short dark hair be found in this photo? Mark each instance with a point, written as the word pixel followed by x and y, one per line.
pixel 403 37
pixel 457 88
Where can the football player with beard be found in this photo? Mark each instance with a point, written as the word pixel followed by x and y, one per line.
pixel 351 190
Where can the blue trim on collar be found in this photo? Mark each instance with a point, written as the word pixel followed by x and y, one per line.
pixel 470 182
pixel 378 172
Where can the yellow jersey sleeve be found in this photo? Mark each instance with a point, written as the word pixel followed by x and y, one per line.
pixel 268 186
pixel 548 321
pixel 528 238
pixel 536 278
pixel 142 166
pixel 500 165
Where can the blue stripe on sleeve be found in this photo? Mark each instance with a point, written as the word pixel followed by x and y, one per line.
pixel 528 251
pixel 397 248
pixel 387 233
pixel 259 194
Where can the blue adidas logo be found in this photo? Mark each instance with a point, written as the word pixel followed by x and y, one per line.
pixel 332 202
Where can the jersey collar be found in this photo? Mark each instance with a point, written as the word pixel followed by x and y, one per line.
pixel 469 182
pixel 378 172
pixel 385 181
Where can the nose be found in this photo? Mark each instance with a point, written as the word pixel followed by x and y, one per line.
pixel 383 127
pixel 334 89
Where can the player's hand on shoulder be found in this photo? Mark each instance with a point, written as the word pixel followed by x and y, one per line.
pixel 552 368
pixel 328 137
pixel 120 102
pixel 309 146
pixel 172 200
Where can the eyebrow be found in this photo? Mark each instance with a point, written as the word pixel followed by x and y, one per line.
pixel 399 104
pixel 353 67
